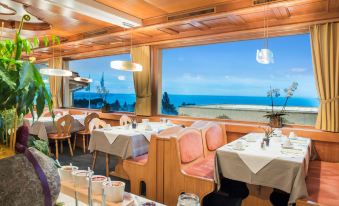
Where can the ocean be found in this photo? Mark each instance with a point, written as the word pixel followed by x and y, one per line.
pixel 177 100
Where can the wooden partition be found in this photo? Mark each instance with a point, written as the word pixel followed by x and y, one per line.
pixel 326 143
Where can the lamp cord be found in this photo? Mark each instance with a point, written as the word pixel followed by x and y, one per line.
pixel 266 25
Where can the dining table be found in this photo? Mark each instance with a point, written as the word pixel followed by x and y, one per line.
pixel 279 165
pixel 124 141
pixel 43 126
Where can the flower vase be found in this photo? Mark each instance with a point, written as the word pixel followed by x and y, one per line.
pixel 267 141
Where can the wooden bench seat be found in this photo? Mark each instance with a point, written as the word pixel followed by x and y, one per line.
pixel 322 184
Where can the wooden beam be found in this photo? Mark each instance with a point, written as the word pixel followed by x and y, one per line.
pixel 281 12
pixel 235 19
pixel 333 5
pixel 199 25
pixel 169 31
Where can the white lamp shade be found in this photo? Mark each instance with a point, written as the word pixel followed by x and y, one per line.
pixel 265 56
pixel 55 72
pixel 126 66
pixel 83 79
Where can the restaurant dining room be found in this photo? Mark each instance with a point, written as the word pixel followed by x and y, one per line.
pixel 169 102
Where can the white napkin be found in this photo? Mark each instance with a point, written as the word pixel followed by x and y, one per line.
pixel 113 133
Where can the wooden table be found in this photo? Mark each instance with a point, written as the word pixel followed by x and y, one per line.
pixel 67 197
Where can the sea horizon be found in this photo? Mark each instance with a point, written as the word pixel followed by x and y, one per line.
pixel 178 99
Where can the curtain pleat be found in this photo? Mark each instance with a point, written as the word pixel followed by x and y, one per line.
pixel 142 80
pixel 325 53
pixel 55 82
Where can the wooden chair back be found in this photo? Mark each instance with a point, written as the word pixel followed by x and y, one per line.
pixel 64 125
pixel 75 112
pixel 88 119
pixel 96 123
pixel 124 119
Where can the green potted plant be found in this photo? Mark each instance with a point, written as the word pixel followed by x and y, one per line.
pixel 275 116
pixel 21 85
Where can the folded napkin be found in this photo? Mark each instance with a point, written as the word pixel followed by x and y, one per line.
pixel 255 158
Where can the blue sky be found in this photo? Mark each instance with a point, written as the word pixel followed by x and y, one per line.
pixel 116 81
pixel 228 69
pixel 231 68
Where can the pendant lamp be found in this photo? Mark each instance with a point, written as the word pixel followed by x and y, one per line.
pixel 265 55
pixel 127 65
pixel 52 71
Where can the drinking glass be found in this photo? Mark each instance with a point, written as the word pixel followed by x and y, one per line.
pixel 188 199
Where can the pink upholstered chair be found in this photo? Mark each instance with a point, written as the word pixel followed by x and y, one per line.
pixel 200 124
pixel 189 170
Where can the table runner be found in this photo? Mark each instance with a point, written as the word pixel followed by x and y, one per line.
pixel 286 172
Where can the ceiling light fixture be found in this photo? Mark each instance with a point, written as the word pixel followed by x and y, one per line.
pixel 83 79
pixel 127 65
pixel 55 72
pixel 265 55
pixel 52 71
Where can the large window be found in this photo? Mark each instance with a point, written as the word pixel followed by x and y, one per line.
pixel 224 80
pixel 44 77
pixel 118 84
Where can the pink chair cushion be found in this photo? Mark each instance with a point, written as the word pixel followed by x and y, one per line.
pixel 141 159
pixel 323 183
pixel 214 137
pixel 202 168
pixel 191 147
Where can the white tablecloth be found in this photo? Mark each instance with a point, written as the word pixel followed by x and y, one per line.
pixel 44 125
pixel 122 142
pixel 274 166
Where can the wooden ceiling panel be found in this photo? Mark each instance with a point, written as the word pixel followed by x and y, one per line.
pixel 183 27
pixel 313 7
pixel 281 12
pixel 258 16
pixel 232 20
pixel 137 8
pixel 216 22
pixel 173 6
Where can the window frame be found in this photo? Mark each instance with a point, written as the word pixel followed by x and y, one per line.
pixel 157 73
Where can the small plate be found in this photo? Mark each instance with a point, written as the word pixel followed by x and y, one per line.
pixel 287 147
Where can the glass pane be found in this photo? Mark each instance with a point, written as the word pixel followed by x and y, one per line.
pixel 44 77
pixel 225 81
pixel 121 95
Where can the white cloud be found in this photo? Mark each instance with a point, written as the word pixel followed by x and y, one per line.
pixel 298 70
pixel 121 77
pixel 189 76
